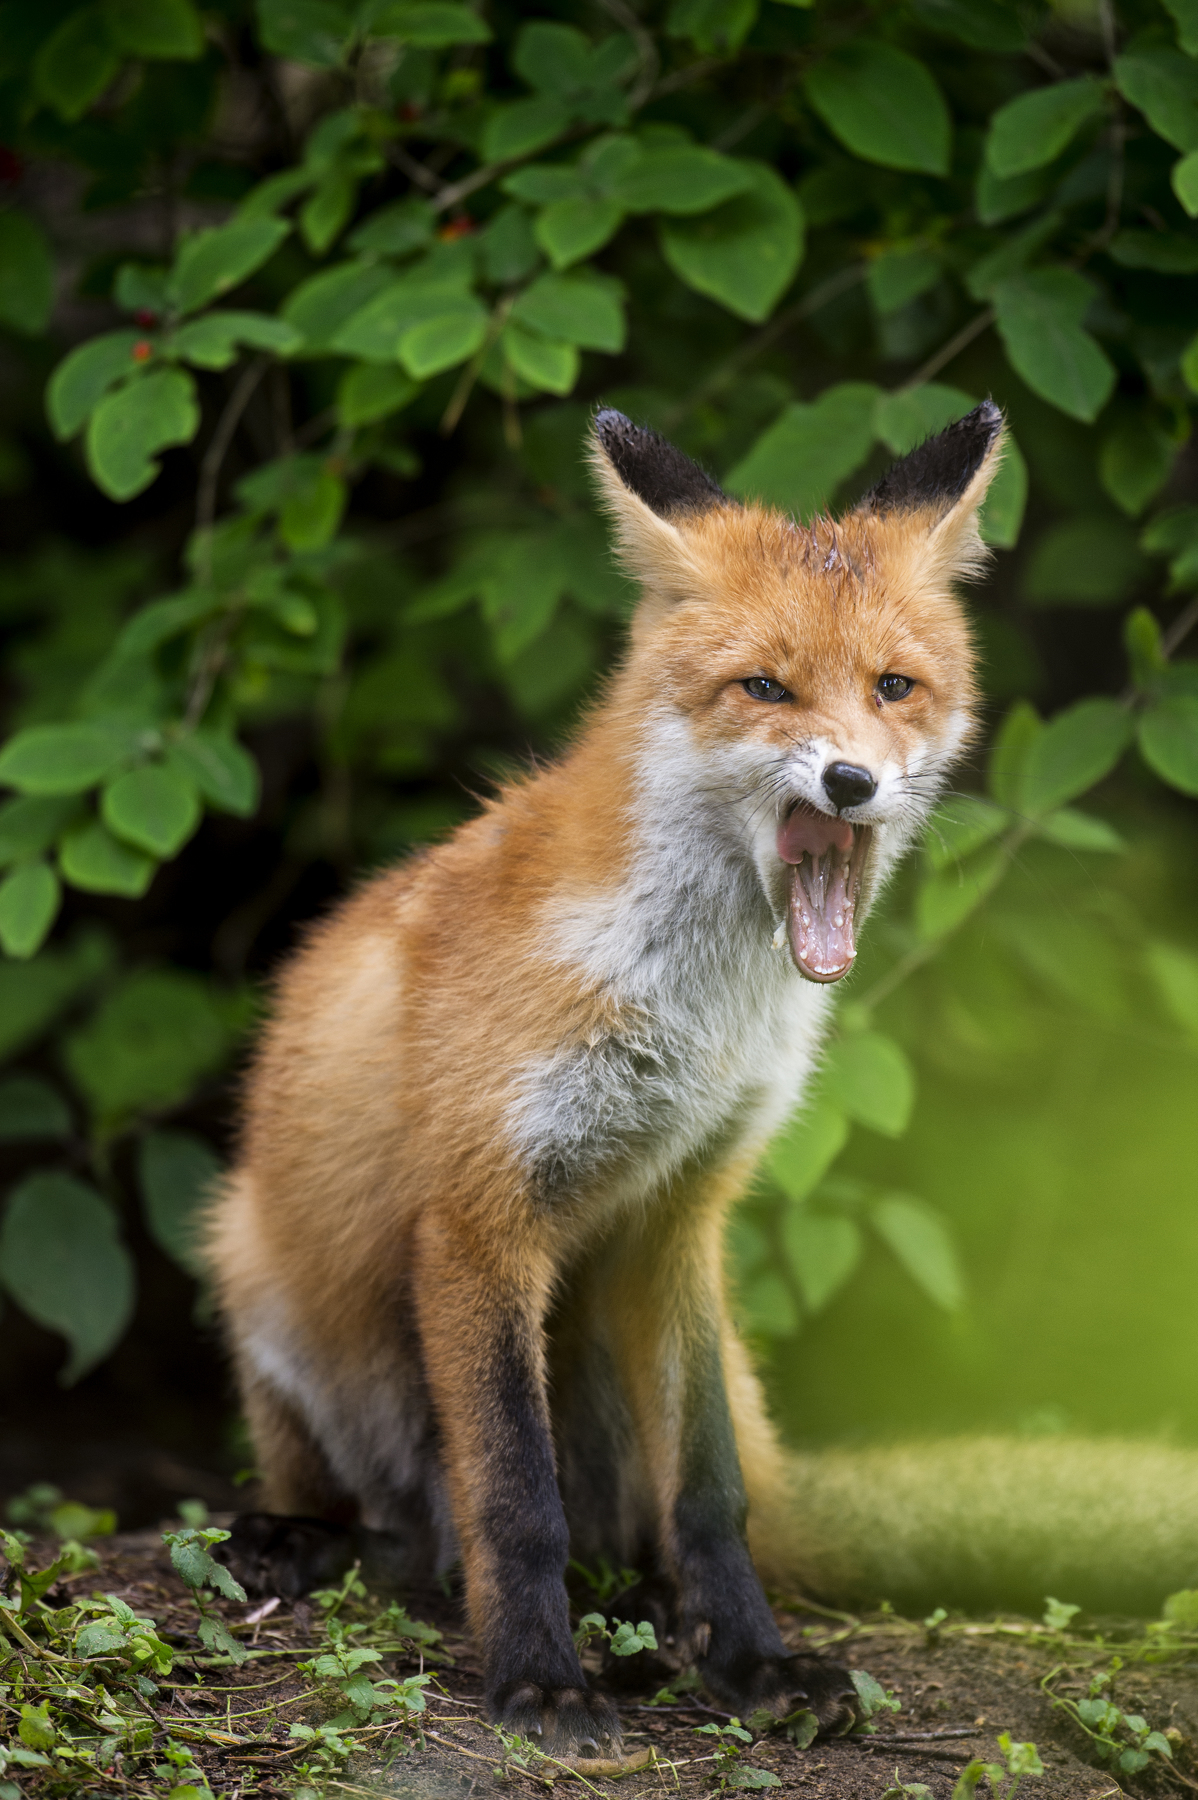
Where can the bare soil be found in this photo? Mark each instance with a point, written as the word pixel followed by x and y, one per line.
pixel 959 1690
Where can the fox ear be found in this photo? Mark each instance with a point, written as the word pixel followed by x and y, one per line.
pixel 942 482
pixel 651 490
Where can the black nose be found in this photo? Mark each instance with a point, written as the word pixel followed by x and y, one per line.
pixel 847 785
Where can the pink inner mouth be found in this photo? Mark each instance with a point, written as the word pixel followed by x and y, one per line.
pixel 826 857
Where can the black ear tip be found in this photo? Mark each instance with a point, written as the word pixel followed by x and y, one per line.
pixel 938 471
pixel 653 468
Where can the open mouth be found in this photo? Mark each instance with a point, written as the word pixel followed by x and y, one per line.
pixel 826 858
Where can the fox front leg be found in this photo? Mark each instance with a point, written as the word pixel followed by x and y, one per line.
pixel 670 1304
pixel 481 1329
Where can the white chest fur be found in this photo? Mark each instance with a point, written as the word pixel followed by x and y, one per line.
pixel 712 1033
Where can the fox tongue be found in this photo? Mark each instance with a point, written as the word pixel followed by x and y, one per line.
pixel 820 899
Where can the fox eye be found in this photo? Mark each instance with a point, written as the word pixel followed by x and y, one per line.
pixel 763 687
pixel 894 687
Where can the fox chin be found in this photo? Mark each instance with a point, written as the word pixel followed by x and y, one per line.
pixel 470 1258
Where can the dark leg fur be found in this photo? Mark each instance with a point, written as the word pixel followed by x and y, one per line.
pixel 723 1609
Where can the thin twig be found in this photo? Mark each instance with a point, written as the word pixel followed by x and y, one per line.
pixel 953 348
pixel 413 169
pixel 1181 627
pixel 646 49
pixel 216 452
pixel 811 302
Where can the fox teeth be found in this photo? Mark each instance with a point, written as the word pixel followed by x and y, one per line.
pixel 779 938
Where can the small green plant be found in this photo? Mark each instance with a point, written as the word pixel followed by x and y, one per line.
pixel 43 1510
pixel 906 1790
pixel 1059 1614
pixel 604 1581
pixel 1124 1740
pixel 626 1640
pixel 731 1771
pixel 344 1664
pixel 1019 1761
pixel 328 1751
pixel 191 1555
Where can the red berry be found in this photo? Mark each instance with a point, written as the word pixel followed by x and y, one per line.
pixel 462 226
pixel 142 350
pixel 143 316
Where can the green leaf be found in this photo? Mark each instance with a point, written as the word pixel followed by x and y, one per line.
pixel 154 808
pixel 1185 16
pixel 801 1154
pixel 327 210
pixel 29 902
pixel 320 306
pixel 883 105
pixel 443 342
pixel 1074 830
pixel 33 994
pixel 30 1108
pixel 212 262
pixel 76 63
pixel 522 126
pixel 1008 757
pixel 920 1241
pixel 162 29
pixel 26 274
pixel 713 26
pixel 801 459
pixel 397 229
pixel 904 419
pixel 1074 751
pixel 960 825
pixel 583 308
pixel 872 1695
pixel 744 254
pixel 30 825
pixel 1168 738
pixel 946 900
pixel 148 1044
pixel 1001 515
pixel 1136 460
pixel 681 178
pixel 212 340
pixel 92 859
pixel 64 759
pixel 315 32
pixel 431 24
pixel 82 379
pixel 367 392
pixel 568 230
pixel 870 1077
pixel 897 277
pixel 765 1307
pixel 129 427
pixel 823 1250
pixel 225 773
pixel 1034 128
pixel 1039 318
pixel 1184 182
pixel 1168 252
pixel 1164 85
pixel 376 332
pixel 1084 562
pixel 551 367
pixel 62 1261
pixel 178 1173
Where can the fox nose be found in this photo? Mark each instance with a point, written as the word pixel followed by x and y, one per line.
pixel 847 785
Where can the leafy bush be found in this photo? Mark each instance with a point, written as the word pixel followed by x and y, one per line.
pixel 322 293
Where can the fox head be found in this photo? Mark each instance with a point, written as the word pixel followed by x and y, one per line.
pixel 818 679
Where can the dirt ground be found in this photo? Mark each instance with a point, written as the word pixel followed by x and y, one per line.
pixel 959 1688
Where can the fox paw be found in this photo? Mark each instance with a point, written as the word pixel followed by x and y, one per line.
pixel 786 1684
pixel 561 1721
pixel 269 1553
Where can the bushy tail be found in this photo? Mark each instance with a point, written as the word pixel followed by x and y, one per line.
pixel 984 1523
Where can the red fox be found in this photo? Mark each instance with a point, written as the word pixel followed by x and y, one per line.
pixel 471 1257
